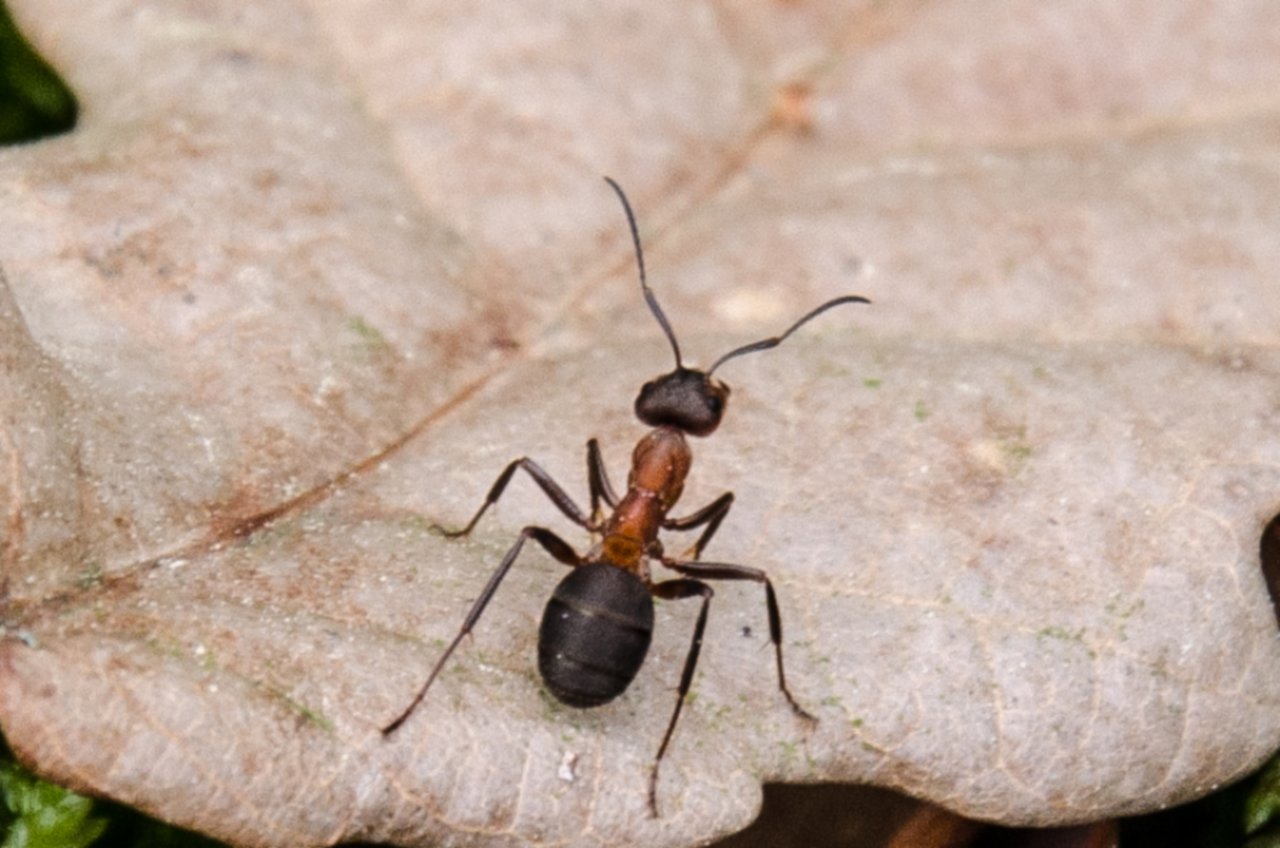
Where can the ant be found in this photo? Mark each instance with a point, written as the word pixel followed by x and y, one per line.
pixel 597 626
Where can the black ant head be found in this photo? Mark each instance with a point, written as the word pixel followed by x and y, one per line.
pixel 688 399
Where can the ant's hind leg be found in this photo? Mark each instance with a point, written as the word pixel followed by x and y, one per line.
pixel 550 487
pixel 551 543
pixel 729 571
pixel 675 590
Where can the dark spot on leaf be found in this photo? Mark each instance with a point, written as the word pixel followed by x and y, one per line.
pixel 237 57
pixel 266 179
pixel 792 108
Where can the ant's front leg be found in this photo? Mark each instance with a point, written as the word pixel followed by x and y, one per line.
pixel 549 486
pixel 711 515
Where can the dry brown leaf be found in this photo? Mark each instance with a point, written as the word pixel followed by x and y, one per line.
pixel 306 278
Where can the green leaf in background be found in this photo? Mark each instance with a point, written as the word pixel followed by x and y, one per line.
pixel 40 815
pixel 1262 807
pixel 34 101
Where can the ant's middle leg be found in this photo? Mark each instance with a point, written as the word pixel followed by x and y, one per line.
pixel 711 515
pixel 551 543
pixel 549 486
pixel 729 571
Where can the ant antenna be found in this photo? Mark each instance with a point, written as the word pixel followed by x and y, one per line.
pixel 644 285
pixel 763 344
pixel 774 341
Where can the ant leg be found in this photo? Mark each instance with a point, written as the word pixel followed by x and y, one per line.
pixel 711 515
pixel 728 571
pixel 551 543
pixel 598 480
pixel 549 486
pixel 675 590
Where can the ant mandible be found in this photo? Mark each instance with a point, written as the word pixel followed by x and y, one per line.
pixel 596 628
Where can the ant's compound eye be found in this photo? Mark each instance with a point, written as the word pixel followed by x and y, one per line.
pixel 686 399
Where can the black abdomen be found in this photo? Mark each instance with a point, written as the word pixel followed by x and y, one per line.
pixel 594 634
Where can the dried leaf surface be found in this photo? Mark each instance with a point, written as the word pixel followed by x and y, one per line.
pixel 306 278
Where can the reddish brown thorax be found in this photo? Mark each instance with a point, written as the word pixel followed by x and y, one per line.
pixel 659 465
